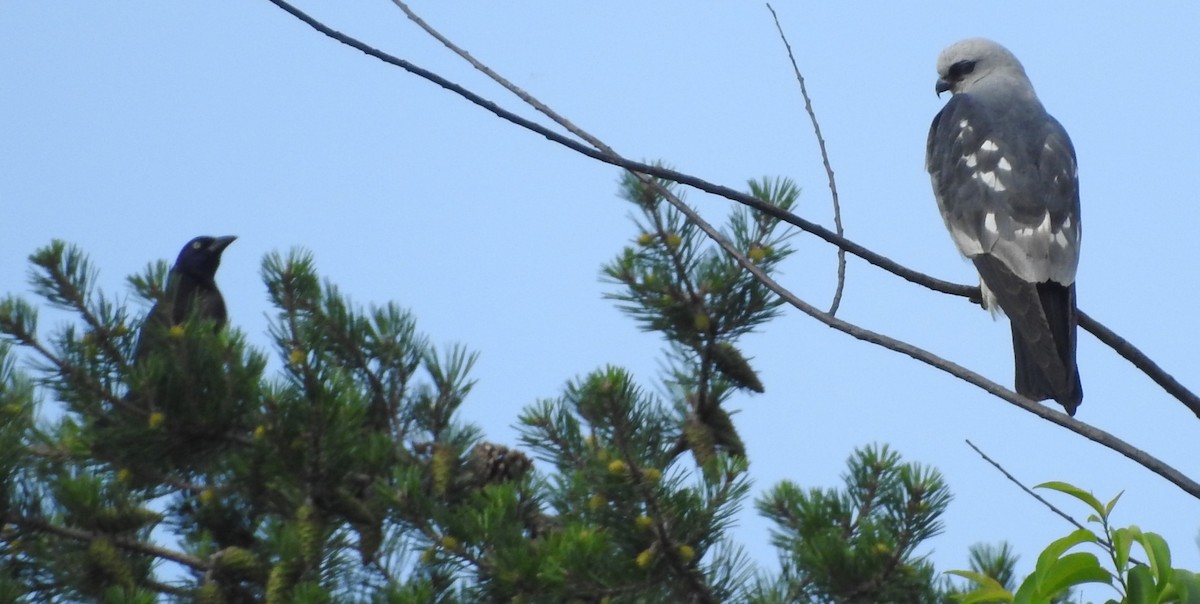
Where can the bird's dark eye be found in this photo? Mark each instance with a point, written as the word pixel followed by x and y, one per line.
pixel 196 245
pixel 960 69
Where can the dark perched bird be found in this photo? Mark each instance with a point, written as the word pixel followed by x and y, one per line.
pixel 191 288
pixel 1006 182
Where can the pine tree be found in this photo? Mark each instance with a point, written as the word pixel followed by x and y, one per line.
pixel 197 474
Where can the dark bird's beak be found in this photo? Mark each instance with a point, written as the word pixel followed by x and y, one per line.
pixel 220 243
pixel 942 86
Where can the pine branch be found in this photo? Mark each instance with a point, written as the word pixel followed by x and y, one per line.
pixel 132 545
pixel 78 377
pixel 607 155
pixel 700 589
pixel 69 289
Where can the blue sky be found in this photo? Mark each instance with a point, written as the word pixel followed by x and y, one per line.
pixel 130 127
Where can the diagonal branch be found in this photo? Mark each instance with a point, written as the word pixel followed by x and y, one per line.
pixel 1140 360
pixel 605 154
pixel 819 231
pixel 1087 431
pixel 1101 539
pixel 837 206
pixel 715 235
pixel 1029 491
pixel 1099 436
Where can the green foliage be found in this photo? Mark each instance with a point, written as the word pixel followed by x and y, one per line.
pixel 280 488
pixel 630 513
pixel 1059 568
pixel 997 563
pixel 673 281
pixel 335 467
pixel 344 474
pixel 858 543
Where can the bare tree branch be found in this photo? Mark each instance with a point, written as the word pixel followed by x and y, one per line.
pixel 1103 541
pixel 1139 359
pixel 605 154
pixel 1105 335
pixel 821 232
pixel 1099 436
pixel 1041 499
pixel 837 206
pixel 712 232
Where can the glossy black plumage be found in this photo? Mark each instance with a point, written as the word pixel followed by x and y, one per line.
pixel 191 290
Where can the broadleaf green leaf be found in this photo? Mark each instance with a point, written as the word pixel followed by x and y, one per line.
pixel 989 589
pixel 1108 508
pixel 1077 493
pixel 1052 553
pixel 1160 557
pixel 1184 587
pixel 1141 586
pixel 1073 569
pixel 1122 541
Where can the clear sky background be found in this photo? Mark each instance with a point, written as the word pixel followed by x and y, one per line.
pixel 129 127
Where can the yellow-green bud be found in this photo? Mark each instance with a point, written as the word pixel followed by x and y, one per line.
pixel 686 553
pixel 618 466
pixel 644 558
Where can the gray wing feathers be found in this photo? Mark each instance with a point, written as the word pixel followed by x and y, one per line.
pixel 1010 192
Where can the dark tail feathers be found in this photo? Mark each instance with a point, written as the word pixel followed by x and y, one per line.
pixel 1033 379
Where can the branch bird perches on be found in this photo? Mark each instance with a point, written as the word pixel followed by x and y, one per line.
pixel 604 154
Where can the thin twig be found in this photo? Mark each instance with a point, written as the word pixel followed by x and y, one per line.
pixel 1101 539
pixel 1124 348
pixel 606 154
pixel 837 206
pixel 827 318
pixel 1014 480
pixel 1099 436
pixel 1087 431
pixel 824 234
pixel 595 142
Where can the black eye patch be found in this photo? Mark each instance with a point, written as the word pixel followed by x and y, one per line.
pixel 960 69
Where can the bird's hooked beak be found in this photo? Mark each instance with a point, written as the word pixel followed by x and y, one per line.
pixel 220 243
pixel 942 85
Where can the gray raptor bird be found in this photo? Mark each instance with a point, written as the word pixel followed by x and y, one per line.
pixel 1005 179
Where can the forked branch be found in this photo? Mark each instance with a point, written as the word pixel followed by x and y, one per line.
pixel 599 151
